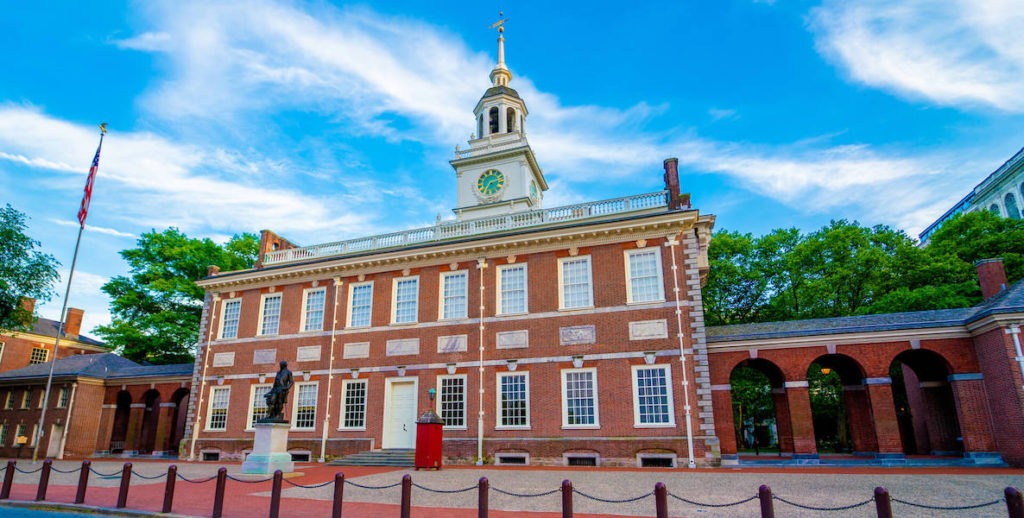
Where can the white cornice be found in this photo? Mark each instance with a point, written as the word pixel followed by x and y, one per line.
pixel 48 340
pixel 901 335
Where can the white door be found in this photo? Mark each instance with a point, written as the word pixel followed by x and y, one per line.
pixel 401 416
pixel 53 449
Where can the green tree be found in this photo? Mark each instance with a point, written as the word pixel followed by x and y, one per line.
pixel 24 271
pixel 751 399
pixel 156 308
pixel 977 235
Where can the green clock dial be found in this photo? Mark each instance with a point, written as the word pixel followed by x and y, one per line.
pixel 490 182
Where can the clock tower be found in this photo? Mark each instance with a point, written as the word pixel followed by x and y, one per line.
pixel 498 174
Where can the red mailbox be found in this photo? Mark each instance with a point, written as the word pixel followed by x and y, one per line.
pixel 428 440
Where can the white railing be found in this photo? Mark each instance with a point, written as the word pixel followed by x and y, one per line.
pixel 456 229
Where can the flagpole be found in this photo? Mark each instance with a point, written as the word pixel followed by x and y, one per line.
pixel 63 311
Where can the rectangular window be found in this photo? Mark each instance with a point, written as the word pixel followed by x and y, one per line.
pixel 9 400
pixel 39 355
pixel 314 310
pixel 513 400
pixel 1 359
pixel 258 404
pixel 62 397
pixel 271 318
pixel 406 298
pixel 34 437
pixel 360 304
pixel 305 406
pixel 353 404
pixel 3 434
pixel 512 289
pixel 579 398
pixel 218 419
pixel 451 400
pixel 576 290
pixel 26 398
pixel 454 295
pixel 19 432
pixel 643 275
pixel 229 321
pixel 652 396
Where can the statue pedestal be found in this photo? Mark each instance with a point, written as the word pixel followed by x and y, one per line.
pixel 270 450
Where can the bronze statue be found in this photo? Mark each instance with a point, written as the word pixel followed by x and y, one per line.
pixel 277 396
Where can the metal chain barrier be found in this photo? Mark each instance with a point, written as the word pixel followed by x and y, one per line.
pixel 199 481
pixel 244 481
pixel 813 508
pixel 144 477
pixel 949 508
pixel 703 504
pixel 360 486
pixel 19 470
pixel 116 474
pixel 612 501
pixel 313 486
pixel 445 491
pixel 58 470
pixel 525 495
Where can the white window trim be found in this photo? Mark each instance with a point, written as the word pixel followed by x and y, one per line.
pixel 295 406
pixel 658 268
pixel 440 295
pixel 61 392
pixel 26 399
pixel 341 408
pixel 46 358
pixel 2 346
pixel 263 303
pixel 465 400
pixel 323 310
pixel 209 410
pixel 671 399
pixel 565 406
pixel 351 291
pixel 497 401
pixel 223 311
pixel 252 404
pixel 526 289
pixel 561 282
pixel 394 300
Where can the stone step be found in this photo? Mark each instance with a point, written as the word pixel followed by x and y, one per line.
pixel 396 457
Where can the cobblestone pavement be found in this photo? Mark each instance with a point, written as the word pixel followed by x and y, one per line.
pixel 599 492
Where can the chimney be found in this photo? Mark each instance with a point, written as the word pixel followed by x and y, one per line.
pixel 991 276
pixel 270 242
pixel 672 182
pixel 73 322
pixel 212 270
pixel 28 304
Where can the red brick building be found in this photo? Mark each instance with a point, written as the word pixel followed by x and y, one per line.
pixel 23 348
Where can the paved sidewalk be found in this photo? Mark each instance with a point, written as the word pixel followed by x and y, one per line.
pixel 815 487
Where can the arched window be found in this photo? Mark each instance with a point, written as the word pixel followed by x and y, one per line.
pixel 994 209
pixel 510 120
pixel 522 128
pixel 493 116
pixel 480 126
pixel 1011 206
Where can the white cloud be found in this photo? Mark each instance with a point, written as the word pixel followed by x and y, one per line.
pixel 85 295
pixel 92 228
pixel 950 52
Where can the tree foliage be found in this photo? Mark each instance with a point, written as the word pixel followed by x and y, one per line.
pixel 751 398
pixel 847 269
pixel 157 307
pixel 24 270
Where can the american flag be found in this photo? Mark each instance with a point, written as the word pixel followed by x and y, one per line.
pixel 84 210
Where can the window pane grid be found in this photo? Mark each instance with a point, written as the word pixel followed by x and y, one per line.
pixel 219 409
pixel 513 400
pixel 305 407
pixel 576 283
pixel 406 294
pixel 644 276
pixel 455 295
pixel 579 398
pixel 315 310
pixel 63 397
pixel 652 396
pixel 232 310
pixel 453 402
pixel 39 355
pixel 513 289
pixel 3 434
pixel 362 302
pixel 259 404
pixel 271 315
pixel 355 405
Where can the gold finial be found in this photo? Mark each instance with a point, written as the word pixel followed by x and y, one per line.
pixel 501 21
pixel 103 128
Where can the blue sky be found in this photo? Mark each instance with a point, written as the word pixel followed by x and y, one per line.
pixel 326 121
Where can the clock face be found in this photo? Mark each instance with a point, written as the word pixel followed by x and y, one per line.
pixel 490 183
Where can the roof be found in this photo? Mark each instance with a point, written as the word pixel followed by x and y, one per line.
pixel 47 327
pixel 499 90
pixel 1010 300
pixel 102 366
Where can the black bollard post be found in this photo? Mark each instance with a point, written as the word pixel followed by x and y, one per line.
pixel 172 477
pixel 44 480
pixel 339 494
pixel 883 503
pixel 5 491
pixel 482 502
pixel 660 500
pixel 83 481
pixel 406 511
pixel 566 499
pixel 1014 503
pixel 275 494
pixel 764 493
pixel 126 480
pixel 218 493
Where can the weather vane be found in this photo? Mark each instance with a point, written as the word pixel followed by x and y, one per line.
pixel 501 21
